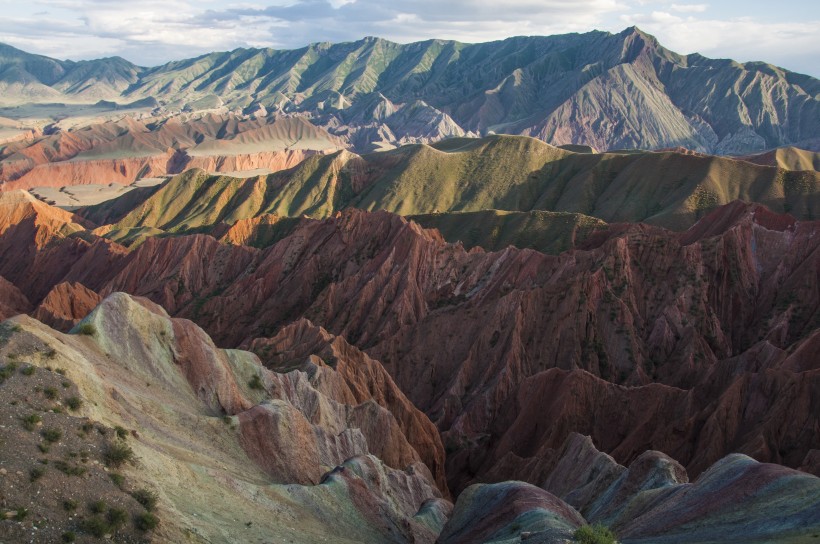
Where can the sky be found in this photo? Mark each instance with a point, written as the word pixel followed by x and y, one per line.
pixel 151 32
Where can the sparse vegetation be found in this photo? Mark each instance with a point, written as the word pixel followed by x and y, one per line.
pixel 50 393
pixel 594 534
pixel 97 507
pixel 256 382
pixel 122 432
pixel 69 505
pixel 21 514
pixel 69 536
pixel 28 370
pixel 73 403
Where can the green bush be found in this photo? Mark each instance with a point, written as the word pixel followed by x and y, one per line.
pixel 146 521
pixel 50 393
pixel 36 473
pixel 256 382
pixel 73 403
pixel 96 526
pixel 98 507
pixel 28 370
pixel 122 432
pixel 51 434
pixel 118 453
pixel 116 517
pixel 148 499
pixel 31 421
pixel 87 329
pixel 69 536
pixel 118 479
pixel 594 534
pixel 69 505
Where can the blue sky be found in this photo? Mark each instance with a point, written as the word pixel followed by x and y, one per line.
pixel 150 32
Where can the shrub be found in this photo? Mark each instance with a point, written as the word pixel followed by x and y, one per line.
pixel 21 514
pixel 256 382
pixel 148 499
pixel 69 505
pixel 31 421
pixel 118 479
pixel 50 393
pixel 98 507
pixel 69 536
pixel 74 403
pixel 96 526
pixel 36 473
pixel 122 432
pixel 88 329
pixel 594 534
pixel 118 453
pixel 69 470
pixel 28 370
pixel 51 434
pixel 116 517
pixel 146 521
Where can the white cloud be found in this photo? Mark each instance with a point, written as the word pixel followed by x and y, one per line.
pixel 689 8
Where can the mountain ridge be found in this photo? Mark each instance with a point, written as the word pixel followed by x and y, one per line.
pixel 600 89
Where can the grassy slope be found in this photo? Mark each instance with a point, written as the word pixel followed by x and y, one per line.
pixel 508 173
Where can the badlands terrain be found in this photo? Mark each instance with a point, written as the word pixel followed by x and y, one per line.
pixel 372 292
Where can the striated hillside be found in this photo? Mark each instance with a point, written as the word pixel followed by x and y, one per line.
pixel 606 90
pixel 508 173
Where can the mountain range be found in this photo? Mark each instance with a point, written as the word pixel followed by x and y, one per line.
pixel 608 91
pixel 359 293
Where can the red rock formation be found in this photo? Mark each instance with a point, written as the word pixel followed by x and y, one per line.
pixel 347 375
pixel 65 305
pixel 721 318
pixel 12 301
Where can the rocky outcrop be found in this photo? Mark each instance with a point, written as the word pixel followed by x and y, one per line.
pixel 12 301
pixel 343 373
pixel 509 510
pixel 195 411
pixel 65 305
pixel 651 500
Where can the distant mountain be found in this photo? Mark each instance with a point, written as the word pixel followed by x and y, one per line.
pixel 34 78
pixel 606 90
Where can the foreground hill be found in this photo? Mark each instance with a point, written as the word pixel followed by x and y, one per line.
pixel 606 90
pixel 131 425
pixel 509 173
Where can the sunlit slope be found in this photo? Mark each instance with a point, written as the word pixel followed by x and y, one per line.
pixel 508 173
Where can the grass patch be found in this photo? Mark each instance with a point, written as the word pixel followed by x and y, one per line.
pixel 73 403
pixel 594 534
pixel 122 432
pixel 69 536
pixel 87 329
pixel 50 393
pixel 28 370
pixel 97 507
pixel 69 505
